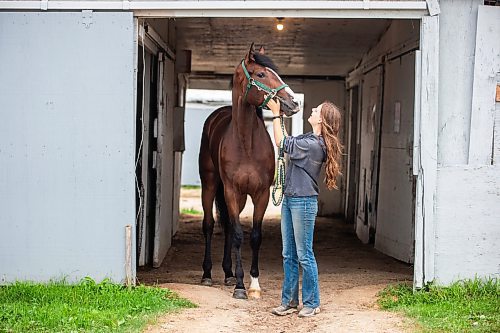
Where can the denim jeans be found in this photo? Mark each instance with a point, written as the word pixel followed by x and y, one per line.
pixel 298 215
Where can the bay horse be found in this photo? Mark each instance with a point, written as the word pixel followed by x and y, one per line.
pixel 237 159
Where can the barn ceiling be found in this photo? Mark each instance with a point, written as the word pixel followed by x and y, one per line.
pixel 306 46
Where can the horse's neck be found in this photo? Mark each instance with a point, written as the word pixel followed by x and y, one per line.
pixel 244 119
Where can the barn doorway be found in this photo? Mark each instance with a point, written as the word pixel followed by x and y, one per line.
pixel 374 83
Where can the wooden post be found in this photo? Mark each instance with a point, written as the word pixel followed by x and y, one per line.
pixel 128 256
pixel 427 150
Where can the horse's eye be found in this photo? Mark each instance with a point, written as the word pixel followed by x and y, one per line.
pixel 261 75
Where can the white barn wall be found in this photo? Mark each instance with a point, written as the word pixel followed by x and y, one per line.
pixel 468 223
pixel 457 36
pixel 467 228
pixel 66 145
pixel 486 79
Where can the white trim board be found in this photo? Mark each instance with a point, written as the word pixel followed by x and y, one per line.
pixel 319 9
pixel 428 134
pixel 486 67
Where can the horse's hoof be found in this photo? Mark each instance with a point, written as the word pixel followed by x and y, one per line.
pixel 240 294
pixel 206 282
pixel 254 293
pixel 230 281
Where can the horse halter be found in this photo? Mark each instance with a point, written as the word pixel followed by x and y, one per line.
pixel 260 86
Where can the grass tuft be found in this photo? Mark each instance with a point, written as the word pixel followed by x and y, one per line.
pixel 191 187
pixel 84 307
pixel 465 306
pixel 191 211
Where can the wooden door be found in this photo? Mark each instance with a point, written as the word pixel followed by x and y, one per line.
pixel 368 155
pixel 395 209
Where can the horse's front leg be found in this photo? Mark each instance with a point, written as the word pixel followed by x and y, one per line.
pixel 260 205
pixel 232 200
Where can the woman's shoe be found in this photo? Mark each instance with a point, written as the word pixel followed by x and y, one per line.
pixel 284 310
pixel 308 312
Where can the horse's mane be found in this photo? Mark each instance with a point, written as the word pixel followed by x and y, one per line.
pixel 262 60
pixel 265 61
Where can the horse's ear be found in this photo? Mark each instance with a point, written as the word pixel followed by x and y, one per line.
pixel 261 50
pixel 250 56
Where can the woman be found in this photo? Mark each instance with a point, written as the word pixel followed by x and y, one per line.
pixel 306 153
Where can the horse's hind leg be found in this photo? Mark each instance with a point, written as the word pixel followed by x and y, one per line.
pixel 260 205
pixel 232 200
pixel 208 189
pixel 227 263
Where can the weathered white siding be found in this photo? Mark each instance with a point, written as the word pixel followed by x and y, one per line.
pixel 467 223
pixel 457 35
pixel 395 210
pixel 165 166
pixel 486 79
pixel 67 149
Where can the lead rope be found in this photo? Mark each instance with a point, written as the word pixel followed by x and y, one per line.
pixel 279 173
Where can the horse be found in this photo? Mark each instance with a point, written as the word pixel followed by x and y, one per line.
pixel 237 159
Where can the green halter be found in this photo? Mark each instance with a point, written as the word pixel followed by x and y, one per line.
pixel 260 86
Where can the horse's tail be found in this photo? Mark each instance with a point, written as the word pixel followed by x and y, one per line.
pixel 221 207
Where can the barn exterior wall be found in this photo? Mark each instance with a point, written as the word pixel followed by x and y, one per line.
pixel 46 209
pixel 467 228
pixel 467 223
pixel 457 37
pixel 66 145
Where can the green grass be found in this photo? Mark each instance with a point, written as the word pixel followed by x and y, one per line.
pixel 83 307
pixel 191 211
pixel 191 187
pixel 465 306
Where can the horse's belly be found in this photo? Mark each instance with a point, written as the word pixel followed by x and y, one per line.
pixel 250 178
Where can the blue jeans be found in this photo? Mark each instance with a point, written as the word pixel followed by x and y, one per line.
pixel 298 215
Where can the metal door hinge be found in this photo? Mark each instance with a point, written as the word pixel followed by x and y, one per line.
pixel 87 18
pixel 433 7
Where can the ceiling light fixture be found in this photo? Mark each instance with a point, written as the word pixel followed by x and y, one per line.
pixel 279 23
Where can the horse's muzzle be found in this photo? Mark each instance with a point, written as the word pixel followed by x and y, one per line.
pixel 288 106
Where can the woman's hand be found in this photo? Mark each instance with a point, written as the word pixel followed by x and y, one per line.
pixel 274 106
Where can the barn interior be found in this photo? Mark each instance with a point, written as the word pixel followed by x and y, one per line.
pixel 369 67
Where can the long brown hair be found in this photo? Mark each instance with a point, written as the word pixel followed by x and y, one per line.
pixel 331 118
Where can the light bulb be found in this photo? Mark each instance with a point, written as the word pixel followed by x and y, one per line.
pixel 279 23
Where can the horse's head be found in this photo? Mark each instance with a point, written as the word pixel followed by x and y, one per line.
pixel 259 82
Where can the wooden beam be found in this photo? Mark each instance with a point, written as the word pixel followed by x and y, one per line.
pixel 428 141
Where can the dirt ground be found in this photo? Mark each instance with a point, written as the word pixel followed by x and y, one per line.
pixel 350 275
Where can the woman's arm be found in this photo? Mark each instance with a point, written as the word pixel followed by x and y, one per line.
pixel 278 134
